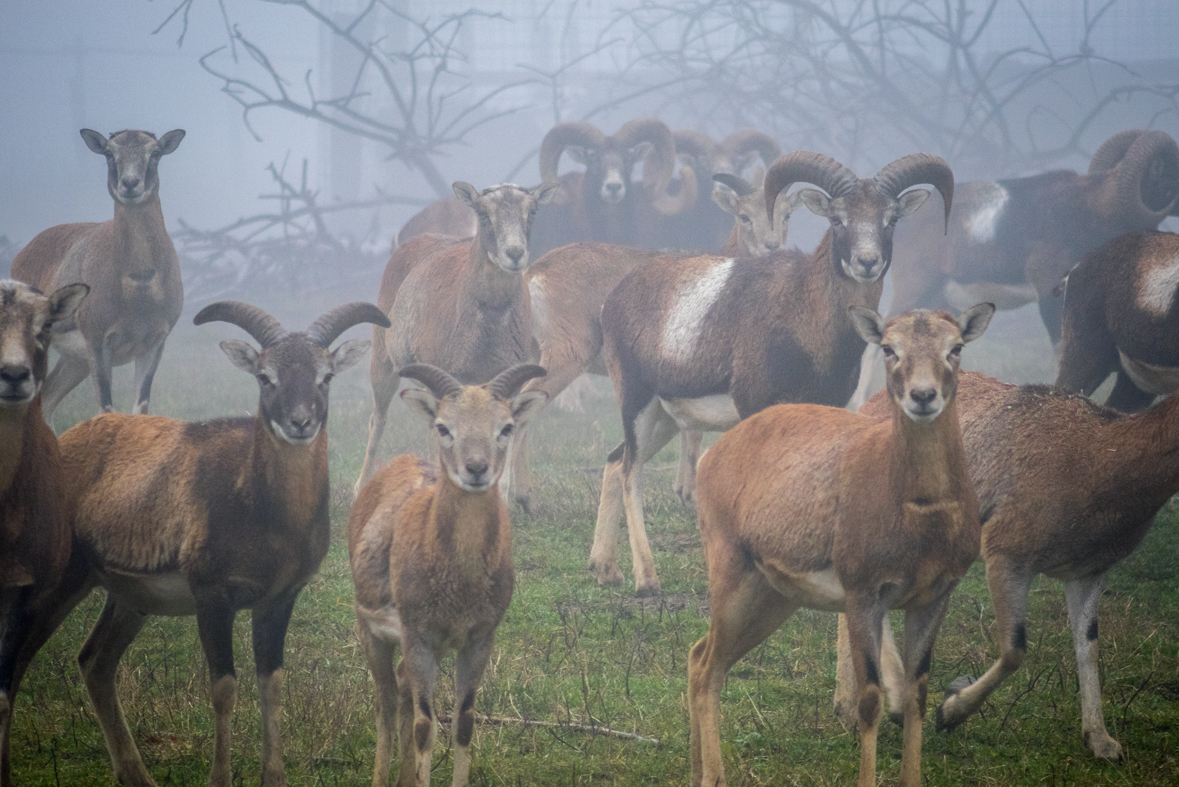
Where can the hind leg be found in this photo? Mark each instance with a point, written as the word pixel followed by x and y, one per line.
pixel 685 477
pixel 1083 596
pixel 384 381
pixel 68 373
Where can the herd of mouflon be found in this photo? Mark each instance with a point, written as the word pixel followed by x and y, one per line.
pixel 680 286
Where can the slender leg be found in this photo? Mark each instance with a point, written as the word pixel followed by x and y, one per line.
pixel 1083 596
pixel 379 653
pixel 407 776
pixel 116 628
pixel 100 368
pixel 522 470
pixel 421 674
pixel 604 553
pixel 270 634
pixel 921 627
pixel 685 477
pixel 68 373
pixel 470 663
pixel 745 610
pixel 215 626
pixel 865 618
pixel 866 386
pixel 16 626
pixel 385 381
pixel 1009 585
pixel 145 372
pixel 653 429
pixel 845 677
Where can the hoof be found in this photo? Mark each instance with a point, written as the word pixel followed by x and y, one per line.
pixel 525 504
pixel 649 590
pixel 1104 748
pixel 606 575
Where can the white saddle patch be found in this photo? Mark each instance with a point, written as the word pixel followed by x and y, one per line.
pixel 715 413
pixel 1158 380
pixel 981 224
pixel 1156 290
pixel 384 623
pixel 153 594
pixel 690 304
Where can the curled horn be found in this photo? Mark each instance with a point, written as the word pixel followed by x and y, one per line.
pixel 1113 150
pixel 747 139
pixel 693 143
pixel 440 383
pixel 329 326
pixel 1148 180
pixel 265 329
pixel 660 162
pixel 562 136
pixel 910 170
pixel 739 185
pixel 802 166
pixel 508 382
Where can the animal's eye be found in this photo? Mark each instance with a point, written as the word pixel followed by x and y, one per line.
pixel 836 221
pixel 956 351
pixel 265 380
pixel 746 219
pixel 442 430
pixel 507 430
pixel 888 351
pixel 327 378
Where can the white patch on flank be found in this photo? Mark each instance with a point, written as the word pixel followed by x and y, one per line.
pixel 982 222
pixel 540 308
pixel 1156 292
pixel 715 413
pixel 682 328
pixel 384 623
pixel 1158 380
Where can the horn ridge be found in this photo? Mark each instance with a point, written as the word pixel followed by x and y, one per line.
pixel 749 139
pixel 439 381
pixel 508 382
pixel 561 136
pixel 328 327
pixel 1133 189
pixel 265 329
pixel 740 185
pixel 1113 150
pixel 660 163
pixel 803 166
pixel 896 176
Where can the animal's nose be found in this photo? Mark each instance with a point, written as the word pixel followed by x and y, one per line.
pixel 300 421
pixel 514 253
pixel 867 262
pixel 14 374
pixel 772 243
pixel 130 183
pixel 476 467
pixel 613 188
pixel 923 396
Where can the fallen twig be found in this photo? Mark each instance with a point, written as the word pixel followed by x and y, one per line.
pixel 501 721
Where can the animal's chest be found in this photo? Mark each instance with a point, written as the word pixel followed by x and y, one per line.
pixel 451 603
pixel 704 414
pixel 260 565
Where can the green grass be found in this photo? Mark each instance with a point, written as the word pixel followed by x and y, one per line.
pixel 570 652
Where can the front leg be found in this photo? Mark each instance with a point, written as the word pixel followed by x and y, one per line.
pixel 921 627
pixel 215 626
pixel 1082 596
pixel 865 617
pixel 100 368
pixel 685 477
pixel 145 372
pixel 270 634
pixel 417 675
pixel 470 663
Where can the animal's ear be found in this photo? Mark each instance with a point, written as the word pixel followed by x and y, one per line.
pixel 868 324
pixel 170 141
pixel 65 301
pixel 910 201
pixel 578 154
pixel 545 191
pixel 94 140
pixel 421 402
pixel 726 199
pixel 466 193
pixel 975 320
pixel 348 354
pixel 818 202
pixel 527 404
pixel 241 355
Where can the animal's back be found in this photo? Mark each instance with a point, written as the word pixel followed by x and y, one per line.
pixel 38 263
pixel 136 481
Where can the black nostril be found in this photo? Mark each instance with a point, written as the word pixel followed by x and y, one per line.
pixel 11 373
pixel 923 395
pixel 614 187
pixel 476 467
pixel 130 183
pixel 300 423
pixel 514 253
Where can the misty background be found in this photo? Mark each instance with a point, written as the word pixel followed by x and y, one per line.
pixel 315 129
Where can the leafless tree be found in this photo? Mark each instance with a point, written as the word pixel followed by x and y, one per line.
pixel 844 75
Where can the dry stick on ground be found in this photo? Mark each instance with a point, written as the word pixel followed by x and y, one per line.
pixel 593 729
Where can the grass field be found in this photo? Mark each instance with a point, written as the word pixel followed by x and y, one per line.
pixel 570 653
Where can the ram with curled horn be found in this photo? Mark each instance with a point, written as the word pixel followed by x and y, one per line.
pixel 703 342
pixel 208 519
pixel 1012 241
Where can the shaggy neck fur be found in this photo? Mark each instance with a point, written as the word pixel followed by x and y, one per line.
pixel 15 431
pixel 928 462
pixel 468 526
pixel 292 477
pixel 489 286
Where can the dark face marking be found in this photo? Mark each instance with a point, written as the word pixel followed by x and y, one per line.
pixel 293 379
